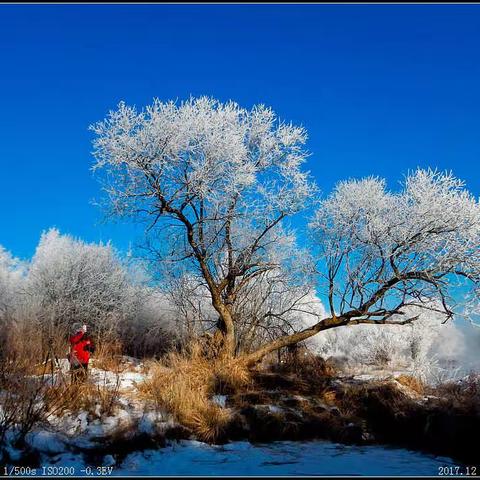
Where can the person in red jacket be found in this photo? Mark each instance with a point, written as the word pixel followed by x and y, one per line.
pixel 81 345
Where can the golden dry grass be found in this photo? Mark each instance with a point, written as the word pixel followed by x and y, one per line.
pixel 68 396
pixel 183 384
pixel 25 354
pixel 209 421
pixel 230 374
pixel 108 355
pixel 412 383
pixel 329 397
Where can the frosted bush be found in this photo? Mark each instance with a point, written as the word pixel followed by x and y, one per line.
pixel 426 348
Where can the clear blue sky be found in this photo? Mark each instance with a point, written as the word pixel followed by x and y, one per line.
pixel 380 88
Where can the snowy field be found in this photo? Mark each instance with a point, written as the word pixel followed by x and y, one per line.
pixel 59 440
pixel 278 458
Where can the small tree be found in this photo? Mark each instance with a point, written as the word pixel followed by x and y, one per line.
pixel 225 175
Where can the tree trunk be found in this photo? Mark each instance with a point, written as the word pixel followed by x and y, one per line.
pixel 226 318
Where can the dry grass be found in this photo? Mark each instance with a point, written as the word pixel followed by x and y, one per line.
pixel 464 397
pixel 26 380
pixel 304 374
pixel 70 396
pixel 231 375
pixel 412 383
pixel 308 366
pixel 26 400
pixel 374 399
pixel 20 353
pixel 183 384
pixel 108 355
pixel 209 422
pixel 96 399
pixel 329 397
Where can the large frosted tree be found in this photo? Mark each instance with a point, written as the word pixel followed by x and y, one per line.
pixel 225 175
pixel 215 182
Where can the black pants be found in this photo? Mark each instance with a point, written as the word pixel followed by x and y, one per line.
pixel 79 372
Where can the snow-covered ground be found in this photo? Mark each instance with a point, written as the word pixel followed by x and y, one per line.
pixel 87 430
pixel 62 439
pixel 278 458
pixel 129 375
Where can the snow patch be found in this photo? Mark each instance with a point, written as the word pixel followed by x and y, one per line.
pixel 220 400
pixel 45 442
pixel 108 461
pixel 274 409
pixel 151 422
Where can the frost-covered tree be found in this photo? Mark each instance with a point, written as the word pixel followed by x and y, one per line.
pixel 12 273
pixel 12 277
pixel 271 304
pixel 214 180
pixel 70 281
pixel 214 183
pixel 382 253
pixel 189 299
pixel 150 328
pixel 275 303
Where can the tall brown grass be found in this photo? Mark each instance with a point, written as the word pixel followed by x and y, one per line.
pixel 25 398
pixel 184 383
pixel 33 389
pixel 108 354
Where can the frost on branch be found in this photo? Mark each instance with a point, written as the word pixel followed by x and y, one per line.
pixel 383 251
pixel 176 156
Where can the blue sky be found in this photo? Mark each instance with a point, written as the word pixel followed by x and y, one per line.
pixel 381 89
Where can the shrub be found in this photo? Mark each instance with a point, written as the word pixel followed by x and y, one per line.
pixel 24 398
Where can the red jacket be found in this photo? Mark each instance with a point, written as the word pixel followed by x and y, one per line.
pixel 80 347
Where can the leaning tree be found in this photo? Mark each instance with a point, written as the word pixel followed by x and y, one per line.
pixel 385 254
pixel 215 182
